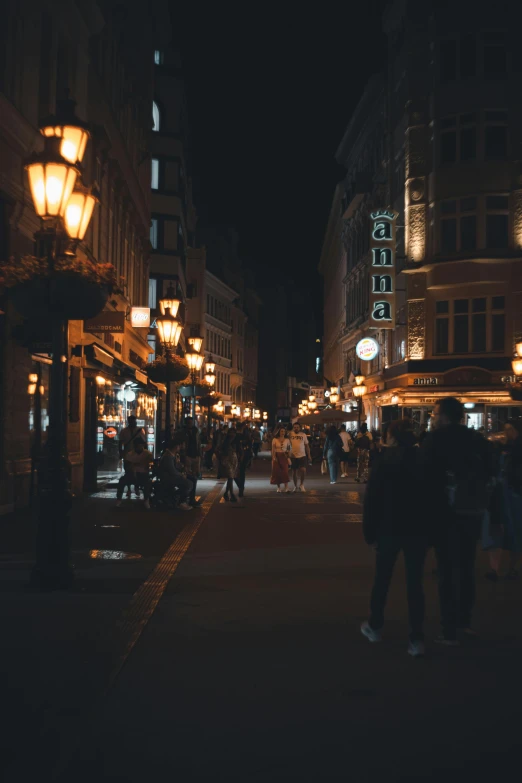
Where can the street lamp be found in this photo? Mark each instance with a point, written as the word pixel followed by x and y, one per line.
pixel 65 215
pixel 210 378
pixel 195 343
pixel 359 390
pixel 195 363
pixel 169 331
pixel 311 404
pixel 516 364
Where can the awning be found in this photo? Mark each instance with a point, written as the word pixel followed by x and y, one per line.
pixel 142 377
pixel 97 354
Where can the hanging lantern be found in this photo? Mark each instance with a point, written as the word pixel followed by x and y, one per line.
pixel 78 213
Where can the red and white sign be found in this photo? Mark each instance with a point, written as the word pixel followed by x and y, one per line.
pixel 367 349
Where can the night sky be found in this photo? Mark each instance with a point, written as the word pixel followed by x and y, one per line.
pixel 269 98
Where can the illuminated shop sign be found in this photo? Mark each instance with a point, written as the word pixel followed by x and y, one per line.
pixel 140 316
pixel 425 381
pixel 367 349
pixel 382 288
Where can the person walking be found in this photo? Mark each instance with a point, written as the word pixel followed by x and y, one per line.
pixel 171 477
pixel 244 455
pixel 138 461
pixel 457 468
pixel 393 522
pixel 363 444
pixel 332 450
pixel 281 451
pixel 300 455
pixel 229 463
pixel 127 438
pixel 347 446
pixel 256 440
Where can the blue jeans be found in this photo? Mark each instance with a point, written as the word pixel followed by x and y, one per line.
pixel 333 464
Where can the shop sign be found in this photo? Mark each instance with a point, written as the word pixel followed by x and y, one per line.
pixel 382 287
pixel 318 393
pixel 373 388
pixel 367 349
pixel 110 432
pixel 105 321
pixel 425 381
pixel 508 379
pixel 140 317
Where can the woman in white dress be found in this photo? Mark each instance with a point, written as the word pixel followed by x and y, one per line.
pixel 281 448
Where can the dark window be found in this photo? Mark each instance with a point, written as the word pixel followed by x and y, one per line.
pixel 441 335
pixel 479 305
pixel 461 333
pixel 448 122
pixel 448 207
pixel 468 232
pixel 495 62
pixel 448 238
pixel 496 141
pixel 497 115
pixel 468 204
pixel 461 306
pixel 496 231
pixel 468 56
pixel 468 144
pixel 448 60
pixel 498 303
pixel 479 332
pixel 497 202
pixel 442 307
pixel 448 147
pixel 498 328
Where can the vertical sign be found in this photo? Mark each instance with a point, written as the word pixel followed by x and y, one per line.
pixel 382 275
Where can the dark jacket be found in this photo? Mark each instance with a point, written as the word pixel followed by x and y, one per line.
pixel 333 444
pixel 513 465
pixel 192 447
pixel 168 469
pixel 393 504
pixel 445 451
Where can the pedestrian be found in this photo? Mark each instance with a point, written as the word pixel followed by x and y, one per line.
pixel 244 455
pixel 229 463
pixel 457 466
pixel 332 450
pixel 300 455
pixel 506 534
pixel 393 522
pixel 363 443
pixel 281 450
pixel 256 440
pixel 171 477
pixel 138 462
pixel 127 438
pixel 192 454
pixel 347 446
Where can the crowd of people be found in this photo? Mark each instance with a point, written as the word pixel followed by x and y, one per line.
pixel 446 492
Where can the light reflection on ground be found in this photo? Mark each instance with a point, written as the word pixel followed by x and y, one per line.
pixel 112 554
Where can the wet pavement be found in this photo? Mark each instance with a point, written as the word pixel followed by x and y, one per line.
pixel 230 650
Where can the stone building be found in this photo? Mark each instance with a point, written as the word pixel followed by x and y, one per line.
pixel 433 148
pixel 89 52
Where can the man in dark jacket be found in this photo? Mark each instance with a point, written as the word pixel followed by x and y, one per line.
pixel 457 466
pixel 192 455
pixel 393 520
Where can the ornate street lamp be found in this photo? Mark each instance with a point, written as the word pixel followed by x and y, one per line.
pixel 195 343
pixel 52 175
pixel 169 332
pixel 359 390
pixel 195 363
pixel 210 378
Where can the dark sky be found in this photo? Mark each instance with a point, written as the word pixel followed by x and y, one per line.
pixel 269 98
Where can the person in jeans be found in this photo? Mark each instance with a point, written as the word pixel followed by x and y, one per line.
pixel 138 463
pixel 170 476
pixel 347 445
pixel 244 455
pixel 128 436
pixel 332 451
pixel 457 466
pixel 192 454
pixel 394 521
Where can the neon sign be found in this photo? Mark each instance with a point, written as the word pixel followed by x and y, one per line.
pixel 382 289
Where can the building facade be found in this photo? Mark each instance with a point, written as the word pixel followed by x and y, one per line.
pixel 91 55
pixel 431 154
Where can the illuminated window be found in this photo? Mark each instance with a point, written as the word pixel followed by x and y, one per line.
pixel 154 233
pixel 153 287
pixel 155 116
pixel 154 173
pixel 158 57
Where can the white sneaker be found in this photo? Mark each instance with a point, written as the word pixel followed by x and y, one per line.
pixel 416 649
pixel 118 503
pixel 185 507
pixel 146 504
pixel 333 482
pixel 303 488
pixel 279 491
pixel 371 635
pixel 343 475
pixel 287 490
pixel 294 489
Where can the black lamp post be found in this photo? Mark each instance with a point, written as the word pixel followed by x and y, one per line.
pixel 195 361
pixel 359 390
pixel 210 378
pixel 169 330
pixel 65 215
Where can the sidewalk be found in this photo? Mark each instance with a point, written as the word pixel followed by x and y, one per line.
pixel 252 667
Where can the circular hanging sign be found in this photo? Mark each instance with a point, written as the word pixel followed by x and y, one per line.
pixel 367 349
pixel 110 432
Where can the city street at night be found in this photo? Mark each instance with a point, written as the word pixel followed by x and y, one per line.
pixel 251 666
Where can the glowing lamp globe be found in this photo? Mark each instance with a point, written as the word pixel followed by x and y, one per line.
pixel 210 366
pixel 359 391
pixel 518 349
pixel 169 303
pixel 210 379
pixel 195 343
pixel 78 213
pixel 516 364
pixel 52 181
pixel 359 379
pixel 169 331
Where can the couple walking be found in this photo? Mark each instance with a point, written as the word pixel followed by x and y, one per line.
pixel 435 495
pixel 293 451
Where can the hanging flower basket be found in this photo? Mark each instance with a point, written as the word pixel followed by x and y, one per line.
pixel 74 289
pixel 177 371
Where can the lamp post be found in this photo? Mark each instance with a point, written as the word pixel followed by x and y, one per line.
pixel 53 174
pixel 169 330
pixel 359 390
pixel 195 363
pixel 210 378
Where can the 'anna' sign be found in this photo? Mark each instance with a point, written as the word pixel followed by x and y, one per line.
pixel 382 275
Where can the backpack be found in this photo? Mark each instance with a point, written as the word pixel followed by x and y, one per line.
pixel 467 486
